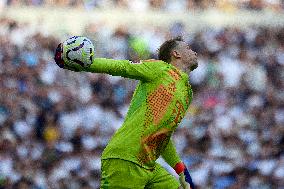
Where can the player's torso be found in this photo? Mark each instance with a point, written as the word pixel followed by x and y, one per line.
pixel 155 111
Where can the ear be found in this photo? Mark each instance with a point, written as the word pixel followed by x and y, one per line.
pixel 176 54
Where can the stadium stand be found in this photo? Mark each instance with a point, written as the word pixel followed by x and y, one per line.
pixel 52 132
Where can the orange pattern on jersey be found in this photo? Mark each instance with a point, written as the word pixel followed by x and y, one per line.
pixel 175 75
pixel 158 102
pixel 178 113
pixel 172 87
pixel 143 157
pixel 187 101
pixel 152 145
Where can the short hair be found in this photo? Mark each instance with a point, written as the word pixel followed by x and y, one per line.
pixel 167 47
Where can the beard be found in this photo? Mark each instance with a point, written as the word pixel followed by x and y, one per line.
pixel 193 66
pixel 190 66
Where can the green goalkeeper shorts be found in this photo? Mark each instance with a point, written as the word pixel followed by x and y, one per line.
pixel 122 174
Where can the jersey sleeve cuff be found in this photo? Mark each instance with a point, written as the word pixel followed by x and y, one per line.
pixel 179 167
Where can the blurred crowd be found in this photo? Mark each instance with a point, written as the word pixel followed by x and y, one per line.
pixel 54 123
pixel 164 5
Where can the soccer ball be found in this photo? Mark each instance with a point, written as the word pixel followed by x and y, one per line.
pixel 77 52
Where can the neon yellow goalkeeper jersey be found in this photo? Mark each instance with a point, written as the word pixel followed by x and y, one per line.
pixel 159 103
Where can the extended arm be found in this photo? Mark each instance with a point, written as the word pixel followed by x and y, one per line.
pixel 140 71
pixel 147 70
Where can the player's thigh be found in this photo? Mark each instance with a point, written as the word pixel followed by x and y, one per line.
pixel 162 179
pixel 121 174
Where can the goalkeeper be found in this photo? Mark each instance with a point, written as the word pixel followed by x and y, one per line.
pixel 159 103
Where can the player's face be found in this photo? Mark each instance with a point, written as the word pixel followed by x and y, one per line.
pixel 188 57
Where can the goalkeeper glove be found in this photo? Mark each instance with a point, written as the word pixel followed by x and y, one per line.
pixel 184 176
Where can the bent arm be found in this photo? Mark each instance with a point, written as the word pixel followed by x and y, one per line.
pixel 170 154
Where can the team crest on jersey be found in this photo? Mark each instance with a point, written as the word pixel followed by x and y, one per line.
pixel 143 61
pixel 136 62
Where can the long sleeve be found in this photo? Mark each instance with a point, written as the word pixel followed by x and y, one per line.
pixel 170 154
pixel 145 71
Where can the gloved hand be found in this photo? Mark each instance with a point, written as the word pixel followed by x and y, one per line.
pixel 184 176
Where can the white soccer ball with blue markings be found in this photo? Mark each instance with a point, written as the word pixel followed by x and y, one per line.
pixel 78 52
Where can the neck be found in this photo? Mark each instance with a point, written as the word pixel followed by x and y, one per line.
pixel 176 63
